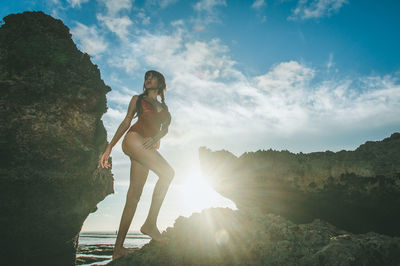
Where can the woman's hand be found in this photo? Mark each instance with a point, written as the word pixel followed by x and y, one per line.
pixel 104 158
pixel 149 142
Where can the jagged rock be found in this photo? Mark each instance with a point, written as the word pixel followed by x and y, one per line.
pixel 266 184
pixel 52 100
pixel 358 190
pixel 221 236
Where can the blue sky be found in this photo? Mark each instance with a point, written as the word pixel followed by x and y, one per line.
pixel 297 75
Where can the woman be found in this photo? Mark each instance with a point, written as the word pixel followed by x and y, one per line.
pixel 141 144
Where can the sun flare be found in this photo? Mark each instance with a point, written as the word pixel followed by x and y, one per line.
pixel 197 194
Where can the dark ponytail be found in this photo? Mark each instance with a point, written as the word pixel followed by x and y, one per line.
pixel 139 108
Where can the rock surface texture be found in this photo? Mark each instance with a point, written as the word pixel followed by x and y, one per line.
pixel 321 208
pixel 358 190
pixel 52 100
pixel 220 236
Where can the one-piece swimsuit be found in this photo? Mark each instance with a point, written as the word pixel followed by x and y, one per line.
pixel 149 122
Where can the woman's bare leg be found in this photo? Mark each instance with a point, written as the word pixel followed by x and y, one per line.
pixel 153 160
pixel 138 177
pixel 160 190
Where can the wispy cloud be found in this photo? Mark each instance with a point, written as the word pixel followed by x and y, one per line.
pixel 308 9
pixel 126 60
pixel 208 5
pixel 212 101
pixel 76 3
pixel 115 6
pixel 160 3
pixel 206 12
pixel 118 25
pixel 89 39
pixel 177 22
pixel 131 56
pixel 112 18
pixel 144 19
pixel 330 63
pixel 258 4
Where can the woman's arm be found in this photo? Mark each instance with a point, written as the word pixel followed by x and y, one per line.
pixel 125 124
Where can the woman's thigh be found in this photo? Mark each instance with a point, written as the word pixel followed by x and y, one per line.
pixel 148 158
pixel 138 177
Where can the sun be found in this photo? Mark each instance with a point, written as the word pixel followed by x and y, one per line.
pixel 197 194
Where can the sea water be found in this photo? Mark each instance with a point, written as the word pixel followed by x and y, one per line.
pixel 99 245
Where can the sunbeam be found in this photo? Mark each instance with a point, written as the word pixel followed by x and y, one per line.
pixel 198 195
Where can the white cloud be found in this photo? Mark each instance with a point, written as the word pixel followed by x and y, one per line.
pixel 263 19
pixel 208 5
pixel 89 39
pixel 115 6
pixel 125 60
pixel 165 3
pixel 57 9
pixel 160 3
pixel 330 62
pixel 258 4
pixel 55 13
pixel 118 25
pixel 179 22
pixel 206 12
pixel 207 93
pixel 157 50
pixel 113 20
pixel 285 76
pixel 307 9
pixel 76 3
pixel 149 49
pixel 145 19
pixel 119 98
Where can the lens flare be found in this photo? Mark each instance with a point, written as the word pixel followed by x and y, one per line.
pixel 221 237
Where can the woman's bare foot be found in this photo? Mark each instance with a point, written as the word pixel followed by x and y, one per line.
pixel 153 232
pixel 119 252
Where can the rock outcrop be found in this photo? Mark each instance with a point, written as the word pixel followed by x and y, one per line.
pixel 291 210
pixel 225 237
pixel 358 190
pixel 52 100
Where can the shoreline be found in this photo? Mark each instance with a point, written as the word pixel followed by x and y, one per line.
pixel 96 247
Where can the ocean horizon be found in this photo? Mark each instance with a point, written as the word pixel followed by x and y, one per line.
pixel 96 247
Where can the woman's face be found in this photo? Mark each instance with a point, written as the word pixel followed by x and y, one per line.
pixel 151 82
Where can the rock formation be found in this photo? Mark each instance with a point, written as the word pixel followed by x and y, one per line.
pixel 218 236
pixel 52 100
pixel 292 209
pixel 358 191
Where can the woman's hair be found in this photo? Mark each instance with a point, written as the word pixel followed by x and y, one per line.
pixel 160 91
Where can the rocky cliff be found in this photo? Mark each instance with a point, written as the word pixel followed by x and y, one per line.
pixel 358 190
pixel 321 208
pixel 52 100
